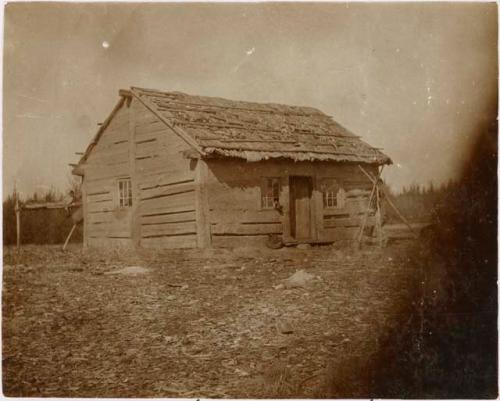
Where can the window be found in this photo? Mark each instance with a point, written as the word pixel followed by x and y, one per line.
pixel 271 193
pixel 333 194
pixel 125 192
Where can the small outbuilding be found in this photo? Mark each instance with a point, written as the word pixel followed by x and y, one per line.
pixel 171 170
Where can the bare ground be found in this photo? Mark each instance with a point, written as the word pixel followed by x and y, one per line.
pixel 192 323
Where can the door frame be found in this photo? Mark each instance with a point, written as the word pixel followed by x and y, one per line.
pixel 289 227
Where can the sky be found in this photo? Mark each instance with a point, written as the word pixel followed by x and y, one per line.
pixel 417 80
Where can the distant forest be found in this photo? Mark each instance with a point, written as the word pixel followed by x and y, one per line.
pixel 417 203
pixel 423 203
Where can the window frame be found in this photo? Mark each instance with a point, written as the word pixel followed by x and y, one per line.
pixel 268 202
pixel 124 202
pixel 332 199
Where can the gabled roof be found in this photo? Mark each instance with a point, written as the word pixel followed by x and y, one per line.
pixel 257 131
pixel 252 131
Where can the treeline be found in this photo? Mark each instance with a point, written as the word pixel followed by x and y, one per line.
pixel 421 203
pixel 39 226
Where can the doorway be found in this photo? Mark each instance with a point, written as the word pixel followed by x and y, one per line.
pixel 300 207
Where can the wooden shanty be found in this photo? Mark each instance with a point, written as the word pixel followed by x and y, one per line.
pixel 171 170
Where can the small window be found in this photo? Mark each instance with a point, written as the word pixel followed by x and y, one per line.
pixel 333 194
pixel 271 193
pixel 125 192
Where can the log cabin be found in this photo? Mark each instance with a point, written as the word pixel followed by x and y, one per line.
pixel 171 170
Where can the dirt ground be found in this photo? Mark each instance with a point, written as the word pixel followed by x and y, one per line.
pixel 192 323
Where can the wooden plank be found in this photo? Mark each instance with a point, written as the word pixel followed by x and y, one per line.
pixel 174 177
pixel 184 241
pixel 98 184
pixel 109 230
pixel 104 230
pixel 162 163
pixel 301 190
pixel 168 229
pixel 155 127
pixel 347 222
pixel 101 171
pixel 100 197
pixel 145 116
pixel 147 138
pixel 166 203
pixel 169 218
pixel 113 138
pixel 316 210
pixel 116 220
pixel 93 207
pixel 354 193
pixel 109 158
pixel 112 145
pixel 149 149
pixel 218 215
pixel 116 139
pixel 167 209
pixel 225 197
pixel 167 191
pixel 285 202
pixel 246 229
pixel 201 206
pixel 95 218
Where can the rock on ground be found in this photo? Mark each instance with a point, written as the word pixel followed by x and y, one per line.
pixel 299 279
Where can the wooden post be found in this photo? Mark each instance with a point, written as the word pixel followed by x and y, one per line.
pixel 375 186
pixel 317 209
pixel 378 221
pixel 285 203
pixel 69 236
pixel 135 223
pixel 203 236
pixel 18 222
pixel 390 202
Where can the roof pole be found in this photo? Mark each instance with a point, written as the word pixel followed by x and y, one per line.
pixel 390 203
pixel 365 218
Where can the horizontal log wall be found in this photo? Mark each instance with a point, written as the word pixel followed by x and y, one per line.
pixel 234 199
pixel 166 182
pixel 105 223
pixel 344 223
pixel 234 196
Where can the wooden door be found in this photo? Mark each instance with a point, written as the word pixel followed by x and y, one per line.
pixel 300 207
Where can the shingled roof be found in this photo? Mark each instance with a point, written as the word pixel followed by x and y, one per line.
pixel 257 131
pixel 218 127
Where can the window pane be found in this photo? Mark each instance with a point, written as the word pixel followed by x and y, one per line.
pixel 333 194
pixel 125 192
pixel 270 193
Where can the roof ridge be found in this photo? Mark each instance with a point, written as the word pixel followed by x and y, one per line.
pixel 314 110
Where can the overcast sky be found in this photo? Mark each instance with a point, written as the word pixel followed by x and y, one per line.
pixel 418 80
